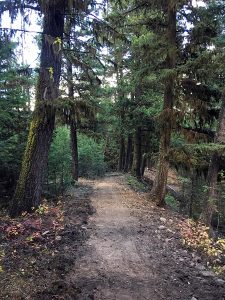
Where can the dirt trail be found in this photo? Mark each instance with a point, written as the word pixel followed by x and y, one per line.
pixel 113 261
pixel 112 244
pixel 133 253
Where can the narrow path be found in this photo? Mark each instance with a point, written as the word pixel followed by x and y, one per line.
pixel 128 259
pixel 112 263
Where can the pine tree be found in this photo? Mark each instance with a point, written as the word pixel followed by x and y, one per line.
pixel 159 188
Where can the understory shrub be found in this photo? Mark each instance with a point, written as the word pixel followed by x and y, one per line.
pixel 90 154
pixel 195 236
pixel 91 157
pixel 172 202
pixel 135 184
pixel 60 160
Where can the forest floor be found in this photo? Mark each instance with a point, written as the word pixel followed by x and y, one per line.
pixel 111 243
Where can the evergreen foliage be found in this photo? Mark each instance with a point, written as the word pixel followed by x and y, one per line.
pixel 14 114
pixel 140 83
pixel 91 159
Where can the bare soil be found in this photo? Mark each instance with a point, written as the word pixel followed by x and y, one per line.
pixel 134 252
pixel 115 245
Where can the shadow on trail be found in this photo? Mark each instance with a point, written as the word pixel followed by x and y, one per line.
pixel 78 209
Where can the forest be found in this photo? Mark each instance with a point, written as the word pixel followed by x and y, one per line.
pixel 116 88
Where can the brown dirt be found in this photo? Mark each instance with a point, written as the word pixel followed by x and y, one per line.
pixel 134 252
pixel 127 249
pixel 37 270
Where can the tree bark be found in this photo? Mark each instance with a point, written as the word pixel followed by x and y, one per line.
pixel 136 168
pixel 122 154
pixel 128 153
pixel 210 204
pixel 159 187
pixel 145 155
pixel 29 187
pixel 143 164
pixel 120 99
pixel 73 123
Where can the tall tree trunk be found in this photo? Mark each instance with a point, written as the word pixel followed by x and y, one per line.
pixel 136 168
pixel 29 186
pixel 143 164
pixel 120 98
pixel 144 156
pixel 131 159
pixel 128 153
pixel 159 187
pixel 122 154
pixel 73 123
pixel 210 203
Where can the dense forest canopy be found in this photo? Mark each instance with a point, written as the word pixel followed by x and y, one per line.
pixel 122 85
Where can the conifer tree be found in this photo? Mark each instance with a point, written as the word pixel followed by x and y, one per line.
pixel 159 188
pixel 15 111
pixel 29 186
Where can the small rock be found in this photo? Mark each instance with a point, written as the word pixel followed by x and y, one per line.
pixel 200 267
pixel 181 259
pixel 163 220
pixel 58 238
pixel 220 282
pixel 196 258
pixel 161 227
pixel 193 298
pixel 208 274
pixel 46 232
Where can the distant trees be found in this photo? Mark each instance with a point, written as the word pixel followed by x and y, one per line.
pixel 90 159
pixel 15 113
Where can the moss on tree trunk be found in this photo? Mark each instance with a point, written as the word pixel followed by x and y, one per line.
pixel 159 187
pixel 136 167
pixel 128 154
pixel 29 187
pixel 122 154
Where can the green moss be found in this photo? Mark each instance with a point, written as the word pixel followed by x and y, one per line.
pixel 29 151
pixel 172 202
pixel 135 184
